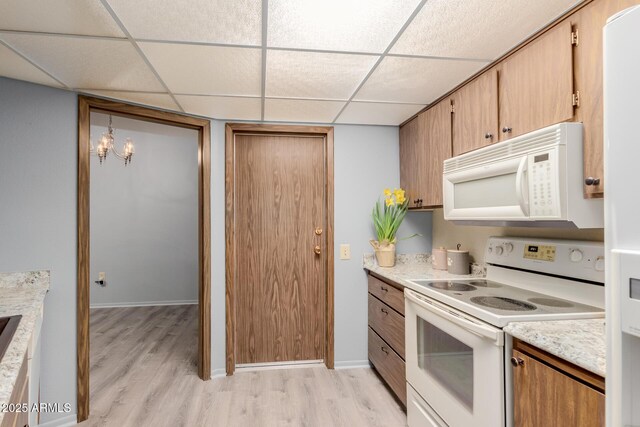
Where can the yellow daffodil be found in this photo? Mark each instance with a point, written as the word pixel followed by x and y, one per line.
pixel 387 192
pixel 390 201
pixel 400 199
pixel 399 193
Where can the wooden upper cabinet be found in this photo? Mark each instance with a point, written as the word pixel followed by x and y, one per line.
pixel 425 143
pixel 536 84
pixel 588 62
pixel 475 113
pixel 437 122
pixel 411 150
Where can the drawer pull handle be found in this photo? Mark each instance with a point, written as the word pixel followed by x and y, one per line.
pixel 384 311
pixel 383 289
pixel 384 350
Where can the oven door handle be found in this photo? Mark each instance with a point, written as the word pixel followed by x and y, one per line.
pixel 486 332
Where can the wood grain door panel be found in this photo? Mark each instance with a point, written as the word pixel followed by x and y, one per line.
pixel 411 151
pixel 437 122
pixel 545 397
pixel 475 117
pixel 388 323
pixel 536 84
pixel 389 365
pixel 280 281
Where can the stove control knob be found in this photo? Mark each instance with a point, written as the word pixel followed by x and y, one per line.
pixel 508 247
pixel 575 255
pixel 499 250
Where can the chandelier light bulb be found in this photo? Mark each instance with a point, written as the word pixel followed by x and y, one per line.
pixel 106 144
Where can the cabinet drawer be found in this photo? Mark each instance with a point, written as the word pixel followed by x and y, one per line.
pixel 389 365
pixel 388 294
pixel 387 323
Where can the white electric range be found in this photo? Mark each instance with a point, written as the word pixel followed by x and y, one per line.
pixel 457 354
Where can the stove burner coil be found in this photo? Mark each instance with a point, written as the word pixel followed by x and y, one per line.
pixel 502 303
pixel 452 286
pixel 550 302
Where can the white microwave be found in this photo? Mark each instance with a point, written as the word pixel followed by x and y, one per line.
pixel 531 180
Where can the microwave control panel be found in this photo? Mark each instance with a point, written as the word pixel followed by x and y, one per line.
pixel 543 185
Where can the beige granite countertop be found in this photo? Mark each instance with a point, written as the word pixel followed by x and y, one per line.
pixel 581 342
pixel 20 293
pixel 414 266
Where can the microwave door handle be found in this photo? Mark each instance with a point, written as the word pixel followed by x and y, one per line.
pixel 520 183
pixel 475 328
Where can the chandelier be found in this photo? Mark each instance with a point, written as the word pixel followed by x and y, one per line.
pixel 106 145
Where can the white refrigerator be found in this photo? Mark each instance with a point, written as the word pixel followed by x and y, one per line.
pixel 622 216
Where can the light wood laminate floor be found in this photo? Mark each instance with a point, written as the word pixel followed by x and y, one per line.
pixel 143 373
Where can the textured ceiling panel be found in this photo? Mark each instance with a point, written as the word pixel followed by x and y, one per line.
pixel 476 28
pixel 378 113
pixel 344 25
pixel 210 21
pixel 82 17
pixel 206 70
pixel 87 63
pixel 161 100
pixel 297 110
pixel 315 75
pixel 14 66
pixel 221 107
pixel 414 80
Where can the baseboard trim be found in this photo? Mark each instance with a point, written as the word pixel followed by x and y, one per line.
pixel 142 304
pixel 219 373
pixel 352 364
pixel 66 421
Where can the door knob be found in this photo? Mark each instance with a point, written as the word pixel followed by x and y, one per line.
pixel 317 250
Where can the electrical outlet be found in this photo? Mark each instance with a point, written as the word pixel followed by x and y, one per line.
pixel 102 276
pixel 345 251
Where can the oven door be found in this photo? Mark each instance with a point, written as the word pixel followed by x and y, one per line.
pixel 498 191
pixel 455 363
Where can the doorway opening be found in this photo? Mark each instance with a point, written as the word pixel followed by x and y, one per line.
pixel 171 309
pixel 279 246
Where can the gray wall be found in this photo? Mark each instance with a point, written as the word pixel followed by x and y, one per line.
pixel 38 170
pixel 144 216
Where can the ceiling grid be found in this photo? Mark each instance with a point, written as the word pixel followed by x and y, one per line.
pixel 333 61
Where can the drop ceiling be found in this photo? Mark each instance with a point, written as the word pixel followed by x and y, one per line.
pixel 330 61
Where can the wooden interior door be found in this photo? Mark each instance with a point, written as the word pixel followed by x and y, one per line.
pixel 475 115
pixel 280 279
pixel 536 84
pixel 545 397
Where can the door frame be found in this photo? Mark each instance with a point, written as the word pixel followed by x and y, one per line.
pixel 87 105
pixel 231 130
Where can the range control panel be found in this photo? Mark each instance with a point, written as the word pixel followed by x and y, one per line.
pixel 568 258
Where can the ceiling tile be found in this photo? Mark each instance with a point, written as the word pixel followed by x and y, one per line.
pixel 301 110
pixel 206 70
pixel 14 66
pixel 378 113
pixel 161 100
pixel 87 63
pixel 222 107
pixel 315 75
pixel 210 21
pixel 415 80
pixel 343 25
pixel 86 17
pixel 476 28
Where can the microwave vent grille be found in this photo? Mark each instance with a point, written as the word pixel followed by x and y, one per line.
pixel 550 136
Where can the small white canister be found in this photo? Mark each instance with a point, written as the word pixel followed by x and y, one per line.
pixel 458 261
pixel 440 258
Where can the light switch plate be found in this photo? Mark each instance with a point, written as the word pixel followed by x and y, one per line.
pixel 345 251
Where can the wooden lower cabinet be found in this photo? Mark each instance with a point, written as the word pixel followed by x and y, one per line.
pixel 551 392
pixel 386 334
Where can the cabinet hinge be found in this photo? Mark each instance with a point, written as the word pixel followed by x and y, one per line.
pixel 574 38
pixel 575 99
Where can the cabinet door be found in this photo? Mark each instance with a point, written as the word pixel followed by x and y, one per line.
pixel 546 397
pixel 589 22
pixel 475 115
pixel 437 147
pixel 536 84
pixel 411 150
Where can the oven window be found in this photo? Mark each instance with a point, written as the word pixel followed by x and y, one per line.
pixel 447 360
pixel 493 191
